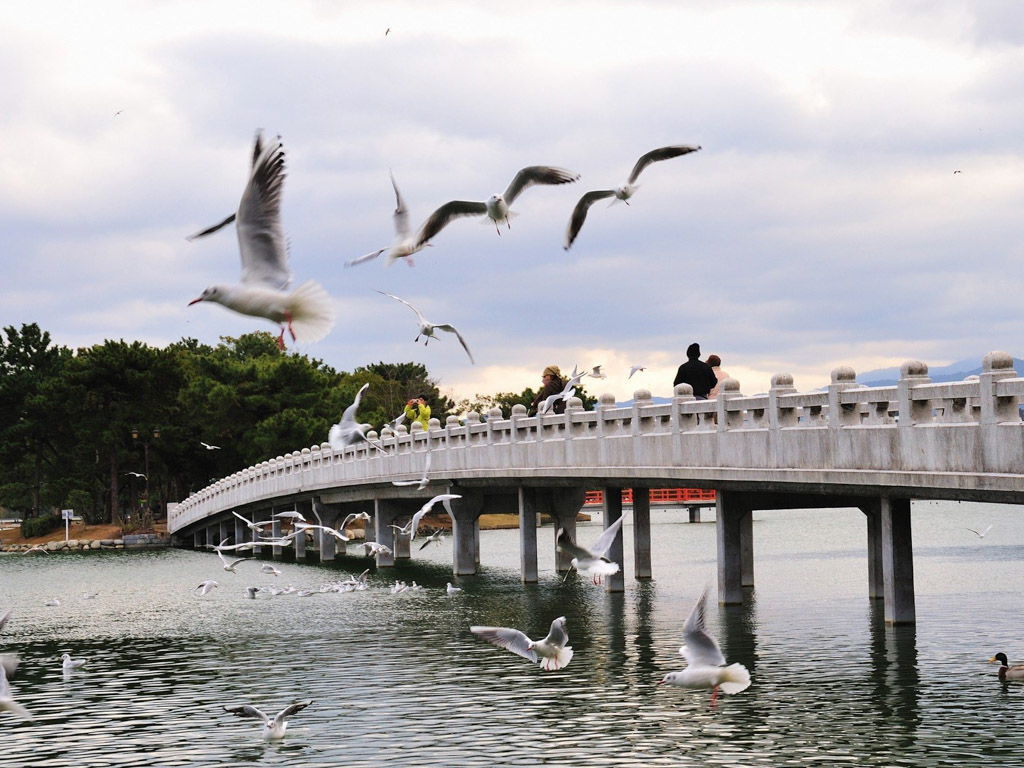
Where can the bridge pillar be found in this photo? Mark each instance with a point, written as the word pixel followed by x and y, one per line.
pixel 275 533
pixel 897 561
pixel 241 534
pixel 385 512
pixel 734 529
pixel 528 535
pixel 566 504
pixel 222 530
pixel 612 512
pixel 694 514
pixel 642 533
pixel 326 514
pixel 305 509
pixel 403 542
pixel 876 580
pixel 465 514
pixel 258 516
pixel 198 538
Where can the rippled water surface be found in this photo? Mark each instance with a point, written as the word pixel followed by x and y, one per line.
pixel 399 680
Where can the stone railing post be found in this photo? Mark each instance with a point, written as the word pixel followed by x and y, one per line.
pixel 912 373
pixel 683 422
pixel 641 398
pixel 839 415
pixel 604 402
pixel 994 410
pixel 779 417
pixel 517 415
pixel 727 419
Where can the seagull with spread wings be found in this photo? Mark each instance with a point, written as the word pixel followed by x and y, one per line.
pixel 306 312
pixel 405 245
pixel 594 560
pixel 551 653
pixel 427 328
pixel 624 192
pixel 348 431
pixel 706 666
pixel 423 482
pixel 409 529
pixel 273 727
pixel 496 207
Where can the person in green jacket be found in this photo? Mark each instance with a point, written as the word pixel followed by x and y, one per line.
pixel 418 410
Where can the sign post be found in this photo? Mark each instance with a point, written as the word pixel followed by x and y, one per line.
pixel 67 514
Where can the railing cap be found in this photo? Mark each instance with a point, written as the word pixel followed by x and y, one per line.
pixel 683 390
pixel 997 361
pixel 843 373
pixel 494 414
pixel 416 426
pixel 472 417
pixel 452 421
pixel 730 385
pixel 782 380
pixel 518 409
pixel 913 368
pixel 642 395
pixel 606 400
pixel 434 423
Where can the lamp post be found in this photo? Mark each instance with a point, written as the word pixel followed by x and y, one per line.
pixel 145 448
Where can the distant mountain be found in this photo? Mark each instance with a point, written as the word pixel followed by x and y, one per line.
pixel 958 371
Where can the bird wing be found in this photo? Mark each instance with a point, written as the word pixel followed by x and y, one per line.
pixel 537 174
pixel 439 219
pixel 365 257
pixel 664 153
pixel 401 214
pixel 9 664
pixel 349 414
pixel 246 710
pixel 699 647
pixel 422 319
pixel 604 541
pixel 291 709
pixel 579 213
pixel 570 547
pixel 427 543
pixel 509 639
pixel 260 233
pixel 6 616
pixel 211 230
pixel 557 635
pixel 452 329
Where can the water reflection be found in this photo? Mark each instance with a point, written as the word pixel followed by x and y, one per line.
pixel 895 678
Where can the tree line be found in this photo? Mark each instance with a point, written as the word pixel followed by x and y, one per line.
pixel 79 429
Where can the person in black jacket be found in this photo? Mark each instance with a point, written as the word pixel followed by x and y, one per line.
pixel 696 373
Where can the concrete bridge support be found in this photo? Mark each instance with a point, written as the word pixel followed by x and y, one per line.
pixel 612 512
pixel 199 538
pixel 565 504
pixel 465 514
pixel 897 561
pixel 222 531
pixel 872 509
pixel 326 514
pixel 304 508
pixel 528 534
pixel 642 533
pixel 275 532
pixel 385 511
pixel 241 535
pixel 734 527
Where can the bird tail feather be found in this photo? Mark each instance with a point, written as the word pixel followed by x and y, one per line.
pixel 312 312
pixel 735 678
pixel 603 568
pixel 561 659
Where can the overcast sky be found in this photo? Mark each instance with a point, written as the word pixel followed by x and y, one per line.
pixel 822 224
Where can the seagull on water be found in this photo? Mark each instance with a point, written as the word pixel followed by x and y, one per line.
pixel 427 328
pixel 551 653
pixel 980 534
pixel 373 548
pixel 453 590
pixel 306 312
pixel 595 560
pixel 348 431
pixel 624 192
pixel 68 664
pixel 268 568
pixel 420 484
pixel 706 668
pixel 52 603
pixel 250 592
pixel 273 727
pixel 8 666
pixel 496 207
pixel 409 529
pixel 404 245
pixel 206 587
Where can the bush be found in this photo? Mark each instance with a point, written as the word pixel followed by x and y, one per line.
pixel 39 526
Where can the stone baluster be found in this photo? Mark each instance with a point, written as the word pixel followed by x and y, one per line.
pixel 683 422
pixel 641 398
pixel 840 415
pixel 728 389
pixel 912 373
pixel 779 416
pixel 604 402
pixel 996 410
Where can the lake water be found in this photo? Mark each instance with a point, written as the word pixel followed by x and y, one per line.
pixel 399 679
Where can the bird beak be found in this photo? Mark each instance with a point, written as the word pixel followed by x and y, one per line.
pixel 194 301
pixel 992 659
pixel 660 682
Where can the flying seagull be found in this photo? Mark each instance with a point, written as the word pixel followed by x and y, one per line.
pixel 435 538
pixel 980 534
pixel 348 431
pixel 206 587
pixel 595 560
pixel 409 529
pixel 268 568
pixel 307 312
pixel 273 727
pixel 633 369
pixel 209 447
pixel 229 565
pixel 706 668
pixel 420 484
pixel 135 474
pixel 552 651
pixel 496 207
pixel 624 192
pixel 404 245
pixel 8 666
pixel 427 328
pixel 597 373
pixel 373 548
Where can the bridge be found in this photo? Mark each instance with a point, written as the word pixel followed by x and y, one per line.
pixel 872 448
